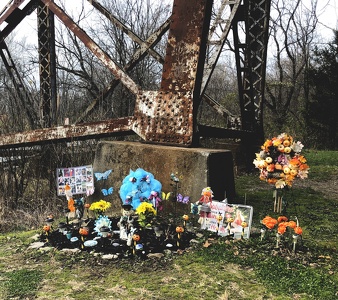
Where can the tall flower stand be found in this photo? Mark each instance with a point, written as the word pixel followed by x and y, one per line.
pixel 282 198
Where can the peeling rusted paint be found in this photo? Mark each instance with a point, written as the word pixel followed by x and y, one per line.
pixel 8 9
pixel 183 48
pixel 167 116
pixel 88 130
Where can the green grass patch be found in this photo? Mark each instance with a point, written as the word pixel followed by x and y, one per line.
pixel 22 284
pixel 323 164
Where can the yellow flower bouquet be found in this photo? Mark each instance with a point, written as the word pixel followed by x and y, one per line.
pixel 146 213
pixel 99 207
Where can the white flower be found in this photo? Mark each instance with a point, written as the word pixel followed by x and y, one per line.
pixel 297 147
pixel 280 184
pixel 259 163
pixel 303 174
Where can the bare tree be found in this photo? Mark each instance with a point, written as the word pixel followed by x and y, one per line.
pixel 87 77
pixel 292 34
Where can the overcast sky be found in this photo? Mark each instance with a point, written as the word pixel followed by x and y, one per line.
pixel 327 12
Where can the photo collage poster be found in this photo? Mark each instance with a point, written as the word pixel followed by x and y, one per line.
pixel 239 213
pixel 80 179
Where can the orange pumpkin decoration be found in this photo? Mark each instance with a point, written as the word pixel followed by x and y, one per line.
pixel 230 220
pixel 244 224
pixel 46 228
pixel 179 229
pixel 84 231
pixel 136 237
pixel 185 217
pixel 219 218
pixel 87 205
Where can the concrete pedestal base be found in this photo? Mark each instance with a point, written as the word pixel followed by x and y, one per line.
pixel 197 168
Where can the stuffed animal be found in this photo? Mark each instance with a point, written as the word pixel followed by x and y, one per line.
pixel 207 195
pixel 126 221
pixel 204 201
pixel 138 186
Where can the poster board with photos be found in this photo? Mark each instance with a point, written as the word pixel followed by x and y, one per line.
pixel 80 179
pixel 238 212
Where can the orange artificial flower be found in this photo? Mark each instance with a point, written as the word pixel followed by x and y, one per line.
pixel 304 167
pixel 266 145
pixel 271 180
pixel 270 168
pixel 281 228
pixel 294 161
pixel 276 142
pixel 269 222
pixel 298 230
pixel 302 159
pixel 282 219
pixel 292 224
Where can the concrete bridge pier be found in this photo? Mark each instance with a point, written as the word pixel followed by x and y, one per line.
pixel 197 168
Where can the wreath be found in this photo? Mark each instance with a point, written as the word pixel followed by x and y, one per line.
pixel 280 161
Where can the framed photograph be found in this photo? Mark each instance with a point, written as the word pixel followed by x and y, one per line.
pixel 216 220
pixel 80 179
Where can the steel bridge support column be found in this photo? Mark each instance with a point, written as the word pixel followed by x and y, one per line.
pixel 46 37
pixel 251 68
pixel 251 61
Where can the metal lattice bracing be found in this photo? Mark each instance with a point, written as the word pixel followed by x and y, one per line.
pixel 46 38
pixel 251 60
pixel 167 116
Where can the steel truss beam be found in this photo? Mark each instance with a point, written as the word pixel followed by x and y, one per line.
pixel 169 115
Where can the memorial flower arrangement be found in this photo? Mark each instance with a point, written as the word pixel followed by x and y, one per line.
pixel 285 230
pixel 146 213
pixel 280 161
pixel 99 207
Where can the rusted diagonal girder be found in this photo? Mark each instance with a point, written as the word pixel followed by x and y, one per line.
pixel 138 55
pixel 8 9
pixel 64 133
pixel 15 17
pixel 127 30
pixel 92 46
